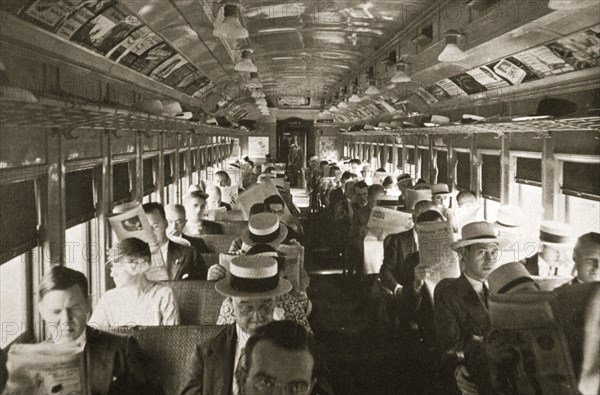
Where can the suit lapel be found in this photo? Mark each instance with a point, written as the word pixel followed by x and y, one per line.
pixel 219 363
pixel 407 243
pixel 174 261
pixel 471 303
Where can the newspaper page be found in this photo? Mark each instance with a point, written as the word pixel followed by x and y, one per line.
pixel 384 221
pixel 215 214
pixel 435 253
pixel 373 254
pixel 294 263
pixel 545 365
pixel 379 177
pixel 229 194
pixel 46 369
pixel 257 193
pixel 129 220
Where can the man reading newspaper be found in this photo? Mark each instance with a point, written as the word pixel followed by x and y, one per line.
pixel 75 358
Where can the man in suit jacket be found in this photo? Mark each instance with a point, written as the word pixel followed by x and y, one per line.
pixel 337 194
pixel 114 363
pixel 211 370
pixel 181 262
pixel 195 204
pixel 555 242
pixel 460 304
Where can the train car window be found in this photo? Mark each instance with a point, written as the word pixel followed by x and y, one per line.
pixel 463 170
pixel 77 245
pixel 13 292
pixel 425 165
pixel 529 198
pixel 490 176
pixel 582 214
pixel 121 183
pixel 148 183
pixel 168 172
pixel 529 171
pixel 581 179
pixel 442 167
pixel 79 197
pixel 182 164
pixel 19 219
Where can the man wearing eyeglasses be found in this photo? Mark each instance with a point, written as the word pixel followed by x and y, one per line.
pixel 279 358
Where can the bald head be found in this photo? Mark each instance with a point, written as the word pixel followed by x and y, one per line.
pixel 586 255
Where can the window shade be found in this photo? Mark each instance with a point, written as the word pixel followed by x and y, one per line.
pixel 121 185
pixel 463 170
pixel 424 153
pixel 529 171
pixel 168 172
pixel 411 156
pixel 194 161
pixel 148 176
pixel 490 176
pixel 182 164
pixel 79 197
pixel 581 178
pixel 18 219
pixel 442 167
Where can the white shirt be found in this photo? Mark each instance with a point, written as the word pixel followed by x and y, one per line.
pixel 242 339
pixel 158 264
pixel 121 307
pixel 561 269
pixel 478 286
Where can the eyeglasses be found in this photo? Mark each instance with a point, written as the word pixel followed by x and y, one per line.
pixel 263 309
pixel 267 385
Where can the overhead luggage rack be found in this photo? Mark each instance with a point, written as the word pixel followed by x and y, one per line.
pixel 63 114
pixel 499 128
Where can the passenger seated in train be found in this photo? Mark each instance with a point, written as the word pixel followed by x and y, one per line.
pixel 460 304
pixel 396 249
pixel 195 204
pixel 114 364
pixel 509 224
pixel 280 354
pixel 555 245
pixel 222 179
pixel 135 300
pixel 238 246
pixel 170 260
pixel 274 204
pixel 293 305
pixel 404 182
pixel 589 379
pixel 441 197
pixel 338 194
pixel 586 256
pixel 361 209
pixel 355 166
pixel 175 214
pixel 253 285
pixel 466 199
pixel 366 174
pixel 214 199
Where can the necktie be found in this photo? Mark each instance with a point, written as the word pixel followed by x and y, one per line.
pixel 485 295
pixel 236 389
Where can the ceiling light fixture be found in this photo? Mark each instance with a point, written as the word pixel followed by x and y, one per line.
pixel 230 27
pixel 372 89
pixel 333 109
pixel 570 4
pixel 400 76
pixel 452 52
pixel 245 64
pixel 342 105
pixel 354 98
pixel 253 82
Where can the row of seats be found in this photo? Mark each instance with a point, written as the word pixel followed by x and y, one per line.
pixel 198 301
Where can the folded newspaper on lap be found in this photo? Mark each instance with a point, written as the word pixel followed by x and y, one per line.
pixel 129 220
pixel 545 365
pixel 385 221
pixel 435 253
pixel 46 369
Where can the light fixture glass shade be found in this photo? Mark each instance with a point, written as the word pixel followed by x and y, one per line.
pixel 253 82
pixel 570 4
pixel 342 105
pixel 333 109
pixel 230 28
pixel 257 94
pixel 372 90
pixel 400 76
pixel 245 64
pixel 452 53
pixel 326 113
pixel 354 98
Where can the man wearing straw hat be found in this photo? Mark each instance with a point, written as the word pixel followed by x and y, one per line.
pixel 253 284
pixel 555 245
pixel 460 304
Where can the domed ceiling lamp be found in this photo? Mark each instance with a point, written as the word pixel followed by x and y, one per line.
pixel 372 89
pixel 246 64
pixel 570 4
pixel 253 82
pixel 230 28
pixel 354 98
pixel 333 109
pixel 400 76
pixel 257 94
pixel 342 105
pixel 452 52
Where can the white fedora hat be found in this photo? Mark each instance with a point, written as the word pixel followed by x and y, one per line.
pixel 509 217
pixel 264 228
pixel 252 276
pixel 440 189
pixel 478 232
pixel 556 234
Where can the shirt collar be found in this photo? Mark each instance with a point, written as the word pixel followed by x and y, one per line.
pixel 81 340
pixel 242 337
pixel 476 284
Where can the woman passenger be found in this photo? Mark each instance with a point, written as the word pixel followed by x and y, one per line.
pixel 136 300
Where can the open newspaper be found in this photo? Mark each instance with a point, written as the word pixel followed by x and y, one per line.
pixel 435 253
pixel 294 264
pixel 46 369
pixel 379 177
pixel 229 194
pixel 544 365
pixel 215 214
pixel 257 193
pixel 384 221
pixel 129 220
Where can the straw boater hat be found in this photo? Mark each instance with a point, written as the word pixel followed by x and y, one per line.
pixel 264 228
pixel 478 232
pixel 556 234
pixel 252 276
pixel 507 277
pixel 440 189
pixel 414 196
